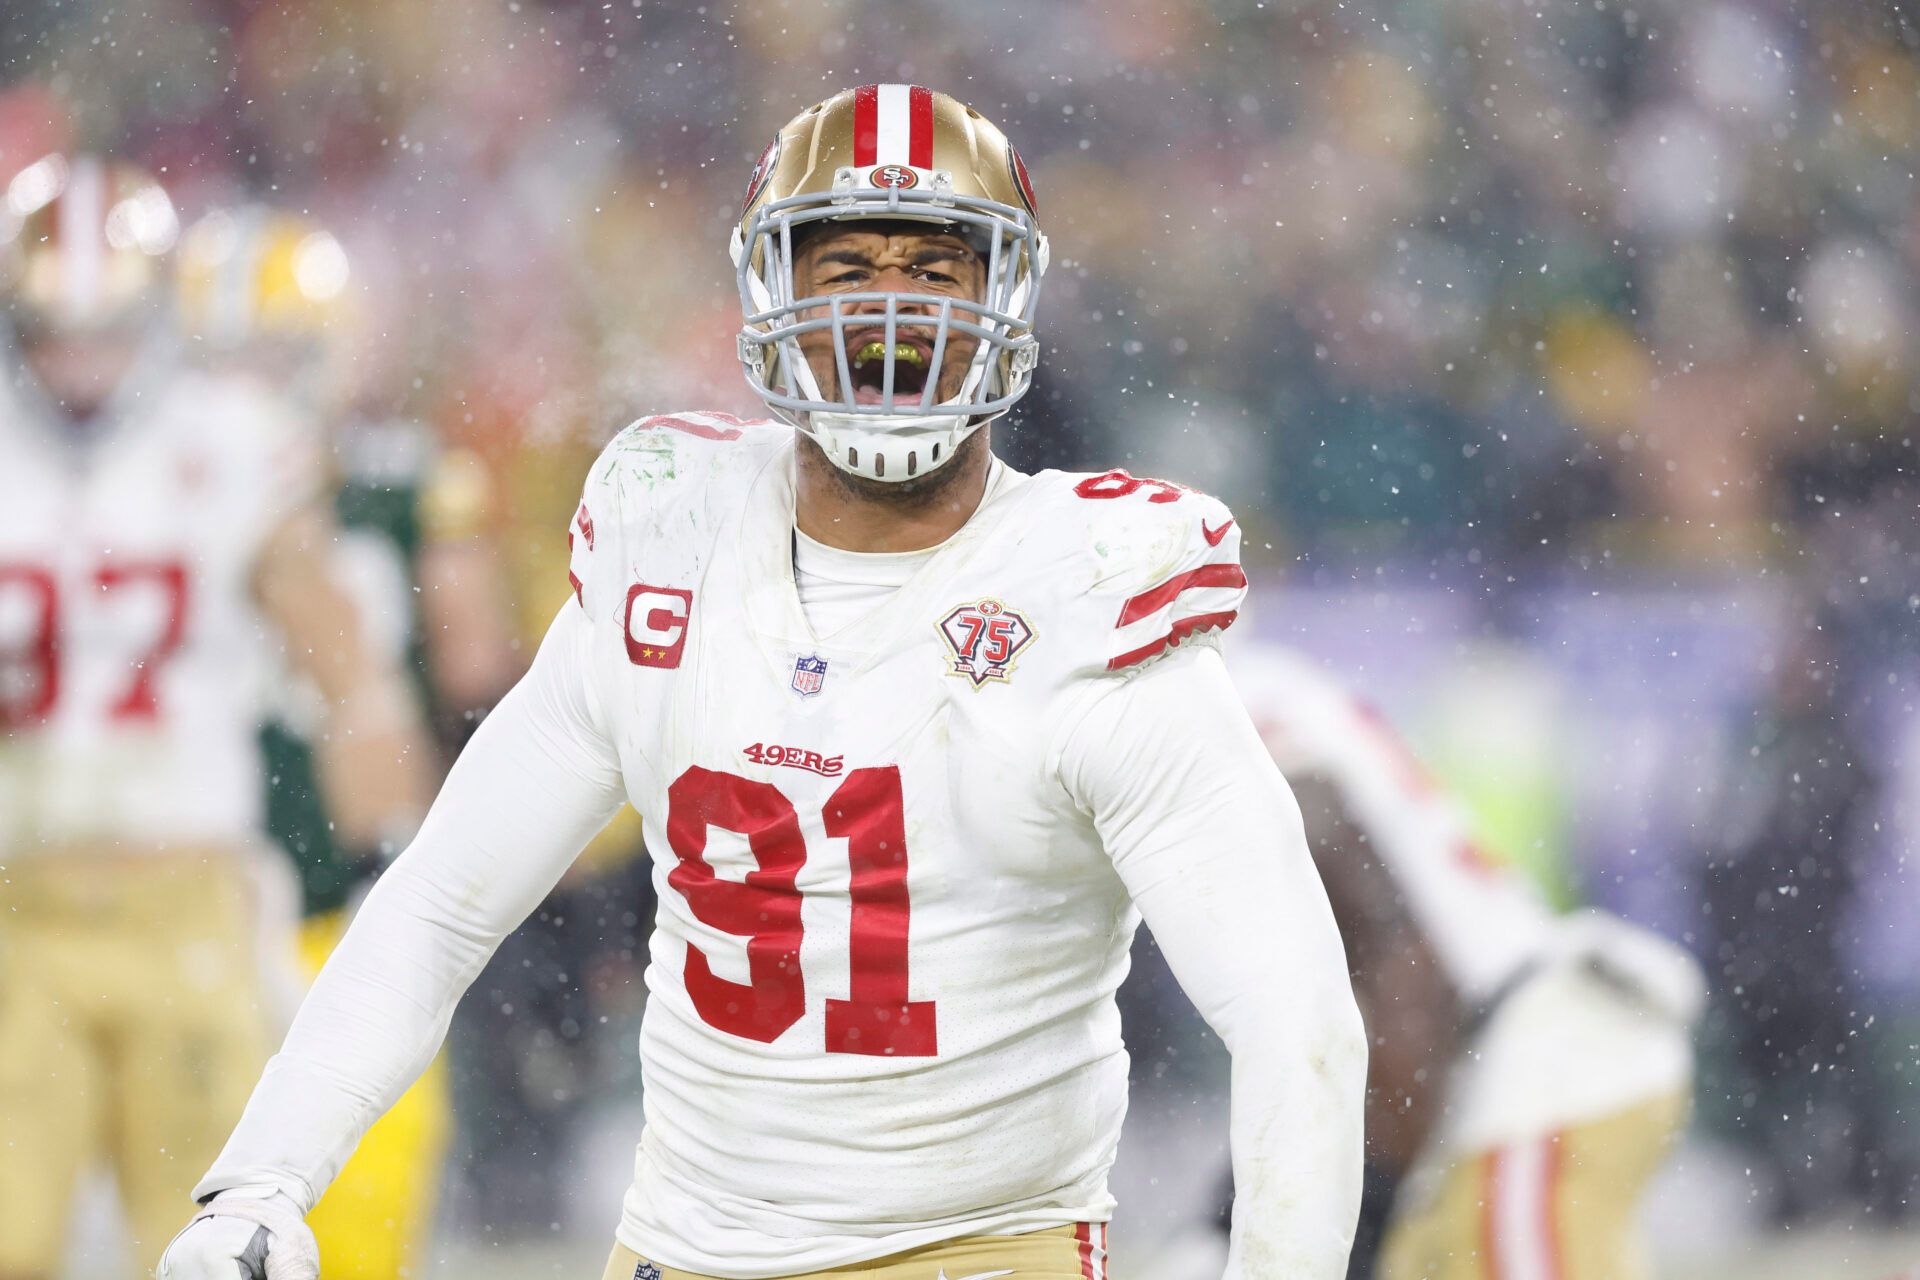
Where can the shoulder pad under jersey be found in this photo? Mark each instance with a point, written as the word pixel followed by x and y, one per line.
pixel 1165 562
pixel 656 482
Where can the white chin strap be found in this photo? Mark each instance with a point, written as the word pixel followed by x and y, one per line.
pixel 890 449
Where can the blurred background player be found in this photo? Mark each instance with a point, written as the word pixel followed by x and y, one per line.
pixel 271 292
pixel 1527 1072
pixel 164 546
pixel 266 292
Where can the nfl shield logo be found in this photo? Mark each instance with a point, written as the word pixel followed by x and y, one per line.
pixel 809 674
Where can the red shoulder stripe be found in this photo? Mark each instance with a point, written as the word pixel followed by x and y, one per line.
pixel 693 428
pixel 1181 630
pixel 1148 603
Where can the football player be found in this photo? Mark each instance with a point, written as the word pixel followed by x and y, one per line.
pixel 918 740
pixel 1528 1072
pixel 160 537
pixel 264 290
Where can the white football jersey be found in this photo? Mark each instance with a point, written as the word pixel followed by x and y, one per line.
pixel 888 939
pixel 131 657
pixel 1591 1013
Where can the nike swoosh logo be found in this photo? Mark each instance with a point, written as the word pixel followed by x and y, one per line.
pixel 979 1275
pixel 1213 536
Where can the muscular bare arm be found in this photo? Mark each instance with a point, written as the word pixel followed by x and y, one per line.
pixel 369 750
pixel 1413 1013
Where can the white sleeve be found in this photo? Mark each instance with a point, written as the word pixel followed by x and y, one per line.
pixel 538 779
pixel 1207 838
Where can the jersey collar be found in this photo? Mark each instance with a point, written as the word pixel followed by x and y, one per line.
pixel 765 551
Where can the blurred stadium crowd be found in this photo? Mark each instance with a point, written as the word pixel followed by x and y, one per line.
pixel 1559 358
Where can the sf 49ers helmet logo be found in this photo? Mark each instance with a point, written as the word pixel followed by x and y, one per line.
pixel 896 176
pixel 983 640
pixel 1022 181
pixel 761 172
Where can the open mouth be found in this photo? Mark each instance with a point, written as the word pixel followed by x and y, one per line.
pixel 912 365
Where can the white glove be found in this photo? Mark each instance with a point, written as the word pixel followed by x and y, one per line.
pixel 252 1233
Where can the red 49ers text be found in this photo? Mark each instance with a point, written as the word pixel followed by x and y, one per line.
pixel 795 758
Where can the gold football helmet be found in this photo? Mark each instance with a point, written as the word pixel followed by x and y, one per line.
pixel 257 273
pixel 262 289
pixel 83 245
pixel 899 153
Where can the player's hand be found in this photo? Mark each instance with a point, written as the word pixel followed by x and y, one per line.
pixel 254 1233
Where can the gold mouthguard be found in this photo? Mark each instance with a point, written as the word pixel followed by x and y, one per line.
pixel 901 351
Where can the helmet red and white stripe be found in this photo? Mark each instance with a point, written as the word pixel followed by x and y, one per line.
pixel 893 124
pixel 84 242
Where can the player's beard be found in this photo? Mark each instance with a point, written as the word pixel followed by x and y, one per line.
pixel 919 492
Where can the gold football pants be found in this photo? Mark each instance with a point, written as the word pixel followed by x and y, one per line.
pixel 132 1029
pixel 1058 1253
pixel 1559 1207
